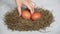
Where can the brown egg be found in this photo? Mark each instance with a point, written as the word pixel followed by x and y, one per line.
pixel 26 14
pixel 36 16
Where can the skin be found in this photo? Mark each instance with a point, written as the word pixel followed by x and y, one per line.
pixel 27 3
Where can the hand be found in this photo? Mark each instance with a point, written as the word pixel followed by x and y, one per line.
pixel 27 3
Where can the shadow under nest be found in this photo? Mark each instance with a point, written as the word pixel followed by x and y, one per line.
pixel 15 22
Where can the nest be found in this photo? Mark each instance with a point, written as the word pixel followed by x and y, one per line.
pixel 15 22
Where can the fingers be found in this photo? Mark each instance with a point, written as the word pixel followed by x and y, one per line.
pixel 33 6
pixel 30 7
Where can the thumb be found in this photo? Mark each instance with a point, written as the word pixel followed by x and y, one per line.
pixel 19 11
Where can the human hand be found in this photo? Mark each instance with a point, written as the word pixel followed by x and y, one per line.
pixel 30 5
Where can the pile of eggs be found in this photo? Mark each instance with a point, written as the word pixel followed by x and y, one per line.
pixel 27 15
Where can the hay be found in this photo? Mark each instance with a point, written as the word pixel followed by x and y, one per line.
pixel 15 22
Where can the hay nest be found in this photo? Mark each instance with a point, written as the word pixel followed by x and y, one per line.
pixel 15 22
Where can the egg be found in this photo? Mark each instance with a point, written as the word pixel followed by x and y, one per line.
pixel 36 16
pixel 26 14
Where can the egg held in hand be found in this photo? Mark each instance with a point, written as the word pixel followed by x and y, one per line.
pixel 36 16
pixel 26 14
